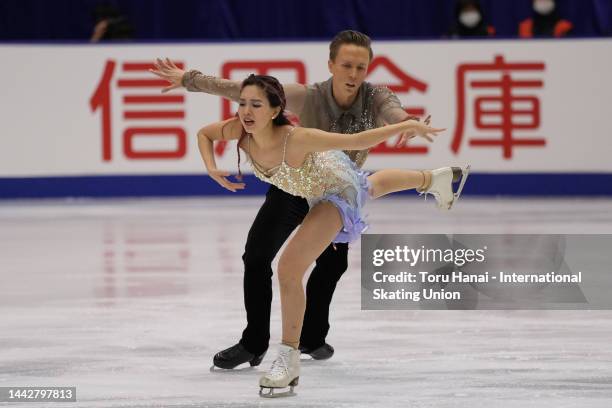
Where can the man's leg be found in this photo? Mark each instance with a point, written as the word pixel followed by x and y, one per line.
pixel 276 219
pixel 330 266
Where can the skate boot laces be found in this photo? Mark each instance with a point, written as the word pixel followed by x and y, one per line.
pixel 280 366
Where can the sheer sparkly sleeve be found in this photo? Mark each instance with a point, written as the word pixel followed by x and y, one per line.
pixel 195 81
pixel 296 97
pixel 388 106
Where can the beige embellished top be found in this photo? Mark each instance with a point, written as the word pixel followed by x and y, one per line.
pixel 320 175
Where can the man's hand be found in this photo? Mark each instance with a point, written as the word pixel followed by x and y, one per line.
pixel 406 136
pixel 166 69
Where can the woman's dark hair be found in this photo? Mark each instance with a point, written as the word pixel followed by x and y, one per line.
pixel 276 97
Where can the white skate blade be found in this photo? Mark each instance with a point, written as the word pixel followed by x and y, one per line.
pixel 215 369
pixel 272 394
pixel 465 171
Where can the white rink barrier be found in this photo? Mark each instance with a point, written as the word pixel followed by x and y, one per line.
pixel 531 117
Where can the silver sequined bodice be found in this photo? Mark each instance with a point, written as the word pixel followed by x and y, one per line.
pixel 321 174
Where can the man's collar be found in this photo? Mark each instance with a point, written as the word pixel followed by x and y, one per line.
pixel 356 108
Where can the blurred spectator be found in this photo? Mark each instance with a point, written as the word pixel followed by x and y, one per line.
pixel 110 24
pixel 469 21
pixel 545 21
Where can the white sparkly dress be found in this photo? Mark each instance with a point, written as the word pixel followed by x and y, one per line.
pixel 323 176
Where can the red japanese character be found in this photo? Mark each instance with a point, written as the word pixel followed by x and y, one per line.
pixel 406 84
pixel 102 97
pixel 499 110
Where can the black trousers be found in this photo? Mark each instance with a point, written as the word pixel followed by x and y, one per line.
pixel 280 214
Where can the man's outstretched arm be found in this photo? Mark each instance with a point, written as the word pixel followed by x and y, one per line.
pixel 195 81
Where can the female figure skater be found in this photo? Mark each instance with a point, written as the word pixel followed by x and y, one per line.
pixel 306 162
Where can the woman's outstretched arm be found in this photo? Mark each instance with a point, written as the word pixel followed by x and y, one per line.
pixel 315 140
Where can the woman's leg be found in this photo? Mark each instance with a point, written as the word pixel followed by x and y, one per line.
pixel 392 180
pixel 280 214
pixel 317 231
pixel 438 182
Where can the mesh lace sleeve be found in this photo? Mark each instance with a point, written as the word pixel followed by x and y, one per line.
pixel 195 81
pixel 389 107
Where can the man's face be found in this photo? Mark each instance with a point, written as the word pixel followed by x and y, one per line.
pixel 349 70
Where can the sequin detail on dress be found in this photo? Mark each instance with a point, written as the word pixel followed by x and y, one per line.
pixel 323 176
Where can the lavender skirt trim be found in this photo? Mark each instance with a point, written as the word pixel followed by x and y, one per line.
pixel 353 220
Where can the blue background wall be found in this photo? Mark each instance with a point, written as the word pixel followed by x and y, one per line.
pixel 279 19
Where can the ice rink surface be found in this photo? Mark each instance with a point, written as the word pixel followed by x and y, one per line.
pixel 128 300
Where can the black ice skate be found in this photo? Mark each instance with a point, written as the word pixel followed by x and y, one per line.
pixel 234 356
pixel 320 353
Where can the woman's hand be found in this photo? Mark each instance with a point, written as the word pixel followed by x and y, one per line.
pixel 422 129
pixel 220 177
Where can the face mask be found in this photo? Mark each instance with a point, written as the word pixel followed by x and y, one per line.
pixel 544 7
pixel 470 18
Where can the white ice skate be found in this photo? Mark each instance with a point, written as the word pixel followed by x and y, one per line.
pixel 285 372
pixel 441 186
